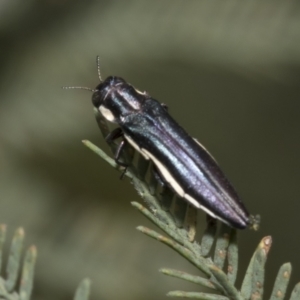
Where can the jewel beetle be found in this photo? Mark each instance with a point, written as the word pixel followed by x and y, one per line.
pixel 182 162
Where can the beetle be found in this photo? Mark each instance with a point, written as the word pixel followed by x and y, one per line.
pixel 181 161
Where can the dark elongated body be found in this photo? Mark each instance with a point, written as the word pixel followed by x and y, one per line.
pixel 181 161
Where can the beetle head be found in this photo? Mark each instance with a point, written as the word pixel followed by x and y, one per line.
pixel 115 99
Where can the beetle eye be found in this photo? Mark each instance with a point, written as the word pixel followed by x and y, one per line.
pixel 96 99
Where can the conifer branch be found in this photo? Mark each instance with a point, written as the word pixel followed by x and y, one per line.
pixel 218 248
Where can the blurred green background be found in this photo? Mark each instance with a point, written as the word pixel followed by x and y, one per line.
pixel 229 72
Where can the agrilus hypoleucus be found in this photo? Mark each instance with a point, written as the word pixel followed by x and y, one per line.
pixel 181 161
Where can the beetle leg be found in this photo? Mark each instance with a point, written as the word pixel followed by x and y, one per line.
pixel 115 134
pixel 118 155
pixel 119 152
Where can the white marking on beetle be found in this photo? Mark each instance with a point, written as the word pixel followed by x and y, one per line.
pixel 107 114
pixel 166 174
pixel 135 146
pixel 204 149
pixel 139 92
pixel 192 201
pixel 205 209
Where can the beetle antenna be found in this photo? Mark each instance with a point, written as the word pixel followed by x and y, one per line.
pixel 98 68
pixel 83 87
pixel 79 88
